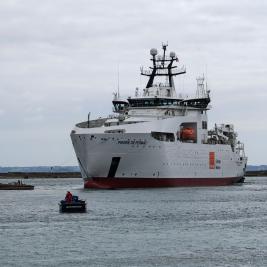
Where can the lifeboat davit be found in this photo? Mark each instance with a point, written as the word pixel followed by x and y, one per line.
pixel 188 134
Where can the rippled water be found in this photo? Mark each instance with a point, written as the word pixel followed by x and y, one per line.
pixel 204 226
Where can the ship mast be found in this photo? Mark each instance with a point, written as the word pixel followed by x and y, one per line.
pixel 163 93
pixel 162 66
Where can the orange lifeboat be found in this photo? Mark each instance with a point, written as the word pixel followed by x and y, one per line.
pixel 188 134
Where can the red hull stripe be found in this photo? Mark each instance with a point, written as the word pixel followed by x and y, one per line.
pixel 108 183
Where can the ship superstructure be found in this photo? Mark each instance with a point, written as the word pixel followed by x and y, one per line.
pixel 158 139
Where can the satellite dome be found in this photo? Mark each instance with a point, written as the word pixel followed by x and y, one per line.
pixel 172 54
pixel 153 51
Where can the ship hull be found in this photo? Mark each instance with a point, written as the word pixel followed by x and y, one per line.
pixel 112 183
pixel 113 161
pixel 158 139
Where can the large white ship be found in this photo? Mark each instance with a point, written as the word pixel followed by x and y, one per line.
pixel 158 139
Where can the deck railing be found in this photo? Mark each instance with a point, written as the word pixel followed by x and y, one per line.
pixel 92 124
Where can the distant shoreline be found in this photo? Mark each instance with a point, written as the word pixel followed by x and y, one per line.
pixel 32 175
pixel 256 173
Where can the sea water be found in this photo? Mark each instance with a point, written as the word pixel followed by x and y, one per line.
pixel 199 226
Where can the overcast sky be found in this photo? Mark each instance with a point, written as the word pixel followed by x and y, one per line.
pixel 59 60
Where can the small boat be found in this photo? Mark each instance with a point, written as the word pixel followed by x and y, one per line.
pixel 76 205
pixel 16 186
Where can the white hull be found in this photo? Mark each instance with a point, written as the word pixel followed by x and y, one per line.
pixel 153 159
pixel 159 139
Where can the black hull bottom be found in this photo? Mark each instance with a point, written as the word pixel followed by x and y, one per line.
pixel 79 206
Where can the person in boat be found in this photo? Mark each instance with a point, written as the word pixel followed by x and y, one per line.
pixel 68 196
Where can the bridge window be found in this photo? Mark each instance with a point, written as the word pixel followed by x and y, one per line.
pixel 153 102
pixel 115 131
pixel 204 125
pixel 163 136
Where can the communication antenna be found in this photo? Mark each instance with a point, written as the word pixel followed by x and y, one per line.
pixel 206 70
pixel 164 47
pixel 118 76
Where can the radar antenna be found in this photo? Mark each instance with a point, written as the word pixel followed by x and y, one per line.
pixel 160 69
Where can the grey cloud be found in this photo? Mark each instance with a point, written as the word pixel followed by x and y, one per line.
pixel 58 61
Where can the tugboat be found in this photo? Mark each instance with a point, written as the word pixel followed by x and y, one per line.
pixel 75 205
pixel 16 186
